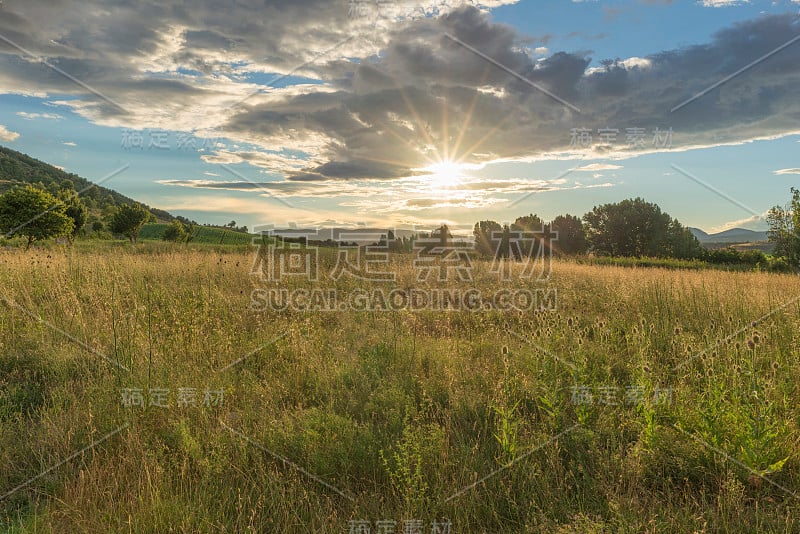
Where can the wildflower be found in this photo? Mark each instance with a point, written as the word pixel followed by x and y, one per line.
pixel 751 344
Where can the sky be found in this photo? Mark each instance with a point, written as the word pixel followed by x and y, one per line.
pixel 411 114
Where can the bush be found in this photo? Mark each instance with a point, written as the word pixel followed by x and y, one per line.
pixel 175 232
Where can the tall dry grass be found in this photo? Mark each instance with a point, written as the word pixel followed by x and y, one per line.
pixel 394 411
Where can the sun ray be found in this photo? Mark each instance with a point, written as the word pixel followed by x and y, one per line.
pixel 468 120
pixel 418 120
pixel 445 130
pixel 488 134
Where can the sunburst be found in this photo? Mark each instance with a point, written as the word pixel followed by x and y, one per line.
pixel 443 174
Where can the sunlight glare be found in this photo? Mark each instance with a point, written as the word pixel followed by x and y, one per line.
pixel 445 173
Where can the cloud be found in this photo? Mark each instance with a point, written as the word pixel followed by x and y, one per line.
pixel 69 143
pixel 349 114
pixel 406 196
pixel 7 135
pixel 593 167
pixel 33 116
pixel 787 171
pixel 756 222
pixel 257 209
pixel 393 109
pixel 724 3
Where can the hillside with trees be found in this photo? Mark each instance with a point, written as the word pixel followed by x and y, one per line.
pixel 19 169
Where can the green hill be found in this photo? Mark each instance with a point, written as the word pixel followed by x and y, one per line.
pixel 202 234
pixel 17 168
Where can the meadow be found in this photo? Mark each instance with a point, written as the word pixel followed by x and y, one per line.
pixel 650 400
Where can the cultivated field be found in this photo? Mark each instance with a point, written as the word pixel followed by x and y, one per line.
pixel 651 400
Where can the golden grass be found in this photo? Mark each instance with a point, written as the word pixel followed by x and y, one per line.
pixel 398 410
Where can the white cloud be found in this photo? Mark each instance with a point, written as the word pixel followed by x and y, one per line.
pixel 787 171
pixel 756 222
pixel 723 3
pixel 7 135
pixel 70 143
pixel 594 167
pixel 33 116
pixel 640 62
pixel 416 194
pixel 262 210
pixel 628 64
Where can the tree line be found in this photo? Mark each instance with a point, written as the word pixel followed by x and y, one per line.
pixel 630 228
pixel 636 228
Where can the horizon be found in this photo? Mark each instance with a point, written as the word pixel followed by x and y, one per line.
pixel 292 227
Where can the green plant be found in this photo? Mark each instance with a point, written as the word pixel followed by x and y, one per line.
pixel 33 213
pixel 506 433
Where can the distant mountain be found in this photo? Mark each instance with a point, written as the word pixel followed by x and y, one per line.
pixel 734 235
pixel 699 234
pixel 17 168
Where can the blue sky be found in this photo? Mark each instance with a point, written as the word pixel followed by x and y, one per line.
pixel 402 117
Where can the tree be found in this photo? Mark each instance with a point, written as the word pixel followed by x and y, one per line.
pixel 528 223
pixel 485 233
pixel 633 227
pixel 175 232
pixel 128 220
pixel 535 234
pixel 443 235
pixel 681 242
pixel 33 213
pixel 75 210
pixel 784 229
pixel 571 235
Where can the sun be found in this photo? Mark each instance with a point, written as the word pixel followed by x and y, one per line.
pixel 445 173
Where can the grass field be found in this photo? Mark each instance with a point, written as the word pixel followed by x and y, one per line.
pixel 651 400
